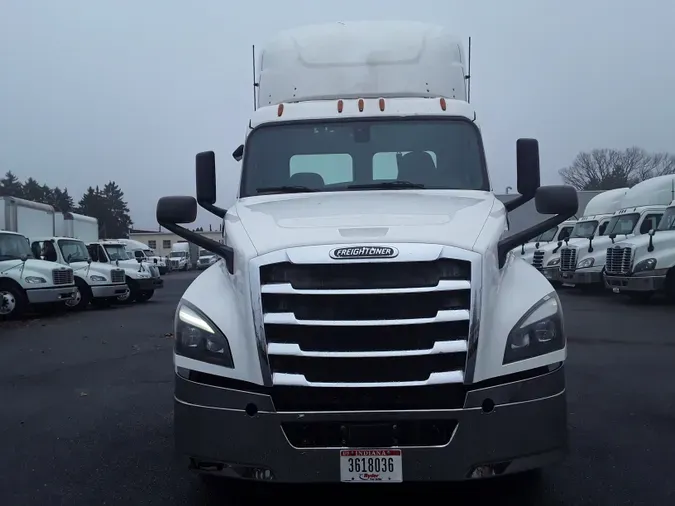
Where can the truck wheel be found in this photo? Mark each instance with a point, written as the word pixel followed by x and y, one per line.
pixel 145 296
pixel 131 294
pixel 13 302
pixel 82 296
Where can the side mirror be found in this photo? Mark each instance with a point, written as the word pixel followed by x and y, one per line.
pixel 205 171
pixel 527 163
pixel 238 153
pixel 560 199
pixel 176 210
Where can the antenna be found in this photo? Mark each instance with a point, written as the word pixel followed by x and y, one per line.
pixel 255 85
pixel 467 77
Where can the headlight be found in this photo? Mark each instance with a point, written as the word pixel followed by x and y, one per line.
pixel 646 265
pixel 96 278
pixel 553 261
pixel 538 332
pixel 34 280
pixel 198 338
pixel 585 263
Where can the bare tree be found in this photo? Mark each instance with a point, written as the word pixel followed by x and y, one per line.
pixel 604 169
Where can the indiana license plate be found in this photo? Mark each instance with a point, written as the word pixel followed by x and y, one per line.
pixel 371 465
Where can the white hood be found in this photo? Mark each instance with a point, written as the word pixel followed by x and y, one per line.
pixel 449 217
pixel 38 268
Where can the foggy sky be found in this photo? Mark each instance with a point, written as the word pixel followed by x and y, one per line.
pixel 130 91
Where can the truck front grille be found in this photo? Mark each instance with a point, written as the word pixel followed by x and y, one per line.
pixel 367 335
pixel 117 276
pixel 538 260
pixel 618 260
pixel 568 259
pixel 62 277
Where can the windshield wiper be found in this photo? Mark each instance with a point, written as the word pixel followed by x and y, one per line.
pixel 285 189
pixel 386 185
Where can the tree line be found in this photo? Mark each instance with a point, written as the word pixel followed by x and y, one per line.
pixel 606 169
pixel 106 204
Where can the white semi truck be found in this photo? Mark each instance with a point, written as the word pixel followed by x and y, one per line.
pixel 25 280
pixel 141 277
pixel 644 265
pixel 556 234
pixel 597 214
pixel 206 259
pixel 144 253
pixel 367 323
pixel 184 256
pixel 641 209
pixel 96 283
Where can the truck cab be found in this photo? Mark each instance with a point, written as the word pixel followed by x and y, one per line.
pixel 141 278
pixel 644 265
pixel 598 213
pixel 95 283
pixel 206 259
pixel 367 322
pixel 180 256
pixel 26 280
pixel 641 210
pixel 554 235
pixel 144 253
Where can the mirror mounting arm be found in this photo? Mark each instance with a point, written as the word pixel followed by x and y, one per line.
pixel 213 209
pixel 221 250
pixel 517 202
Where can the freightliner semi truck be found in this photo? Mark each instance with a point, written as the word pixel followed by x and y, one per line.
pixel 367 322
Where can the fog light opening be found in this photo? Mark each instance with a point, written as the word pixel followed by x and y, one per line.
pixel 251 409
pixel 488 406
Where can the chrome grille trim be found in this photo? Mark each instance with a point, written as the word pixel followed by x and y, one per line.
pixel 63 277
pixel 568 258
pixel 538 260
pixel 619 260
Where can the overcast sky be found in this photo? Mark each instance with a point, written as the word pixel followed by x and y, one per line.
pixel 98 90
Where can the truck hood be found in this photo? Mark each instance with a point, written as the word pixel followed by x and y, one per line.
pixel 83 269
pixel 32 268
pixel 450 217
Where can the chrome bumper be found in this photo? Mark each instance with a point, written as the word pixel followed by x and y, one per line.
pixel 108 291
pixel 581 277
pixel 239 434
pixel 50 295
pixel 619 284
pixel 551 273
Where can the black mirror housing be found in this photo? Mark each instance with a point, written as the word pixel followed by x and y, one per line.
pixel 238 153
pixel 527 163
pixel 560 199
pixel 205 169
pixel 176 209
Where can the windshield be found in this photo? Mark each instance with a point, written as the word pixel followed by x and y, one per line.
pixel 149 252
pixel 13 247
pixel 204 253
pixel 73 251
pixel 584 229
pixel 622 225
pixel 548 235
pixel 116 252
pixel 668 220
pixel 360 155
pixel 178 254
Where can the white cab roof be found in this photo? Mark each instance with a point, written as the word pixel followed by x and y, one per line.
pixel 361 59
pixel 606 202
pixel 657 191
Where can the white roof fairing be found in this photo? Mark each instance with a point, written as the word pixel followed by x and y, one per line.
pixel 361 59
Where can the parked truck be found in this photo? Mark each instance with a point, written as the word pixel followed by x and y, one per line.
pixel 25 280
pixel 644 265
pixel 554 235
pixel 144 253
pixel 78 226
pixel 367 322
pixel 184 256
pixel 641 209
pixel 141 277
pixel 597 214
pixel 206 259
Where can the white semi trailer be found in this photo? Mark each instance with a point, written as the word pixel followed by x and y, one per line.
pixel 367 322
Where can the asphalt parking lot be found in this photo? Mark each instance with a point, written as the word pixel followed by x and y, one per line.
pixel 86 414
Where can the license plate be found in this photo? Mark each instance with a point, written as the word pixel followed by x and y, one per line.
pixel 615 290
pixel 371 465
pixel 566 275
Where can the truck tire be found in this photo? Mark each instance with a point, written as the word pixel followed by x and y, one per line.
pixel 145 295
pixel 82 296
pixel 13 302
pixel 131 294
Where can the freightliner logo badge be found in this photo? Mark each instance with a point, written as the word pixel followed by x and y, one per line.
pixel 354 252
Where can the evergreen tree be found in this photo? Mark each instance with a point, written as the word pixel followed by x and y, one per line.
pixel 34 191
pixel 10 186
pixel 61 200
pixel 109 207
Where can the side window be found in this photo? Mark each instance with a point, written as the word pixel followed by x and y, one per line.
pixel 386 165
pixel 36 249
pixel 93 252
pixel 102 257
pixel 602 228
pixel 331 168
pixel 138 254
pixel 651 221
pixel 152 244
pixel 565 233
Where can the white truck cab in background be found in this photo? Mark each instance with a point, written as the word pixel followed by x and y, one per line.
pixel 644 265
pixel 25 280
pixel 206 259
pixel 96 283
pixel 144 253
pixel 141 277
pixel 184 256
pixel 367 322
pixel 556 234
pixel 641 209
pixel 597 214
